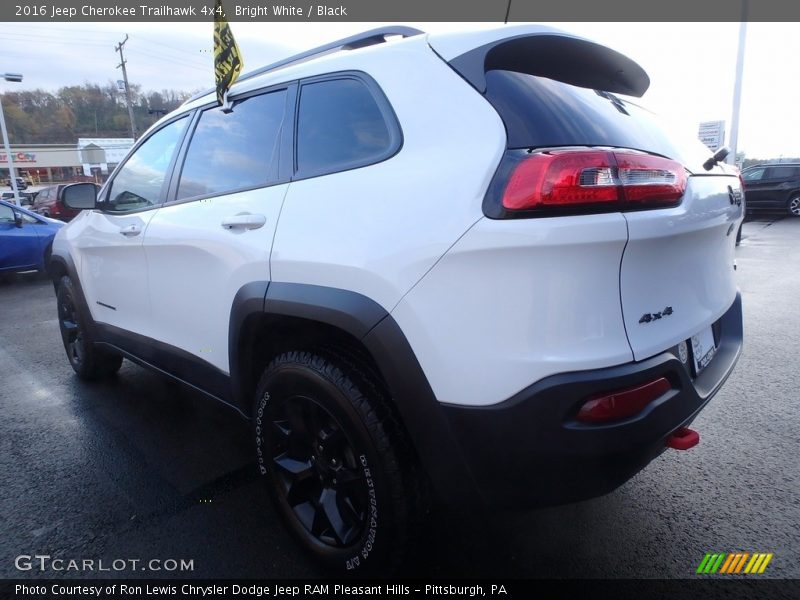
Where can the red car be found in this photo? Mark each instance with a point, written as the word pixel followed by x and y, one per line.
pixel 50 204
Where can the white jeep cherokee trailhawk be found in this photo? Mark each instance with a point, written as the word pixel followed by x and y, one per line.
pixel 451 260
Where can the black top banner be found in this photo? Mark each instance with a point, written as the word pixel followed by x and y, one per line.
pixel 403 10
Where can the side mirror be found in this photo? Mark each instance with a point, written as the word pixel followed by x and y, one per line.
pixel 17 219
pixel 80 196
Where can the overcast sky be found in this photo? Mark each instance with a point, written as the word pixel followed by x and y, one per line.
pixel 691 65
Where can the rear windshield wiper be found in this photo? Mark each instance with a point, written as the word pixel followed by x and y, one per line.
pixel 618 104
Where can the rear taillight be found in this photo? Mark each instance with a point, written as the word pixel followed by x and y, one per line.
pixel 586 179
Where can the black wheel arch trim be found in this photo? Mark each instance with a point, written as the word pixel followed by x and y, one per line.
pixel 373 326
pixel 59 263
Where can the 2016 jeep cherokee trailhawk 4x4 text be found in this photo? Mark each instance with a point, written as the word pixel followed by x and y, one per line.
pixel 457 260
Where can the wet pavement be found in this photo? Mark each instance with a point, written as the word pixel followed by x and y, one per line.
pixel 137 468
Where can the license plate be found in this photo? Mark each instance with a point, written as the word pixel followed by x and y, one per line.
pixel 703 349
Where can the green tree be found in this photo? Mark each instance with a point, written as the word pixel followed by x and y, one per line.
pixel 88 110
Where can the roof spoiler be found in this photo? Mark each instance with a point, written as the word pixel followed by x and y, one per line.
pixel 561 57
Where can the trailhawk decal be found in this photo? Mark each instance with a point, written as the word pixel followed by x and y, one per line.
pixel 369 543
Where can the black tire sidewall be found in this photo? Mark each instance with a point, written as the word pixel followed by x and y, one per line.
pixel 373 548
pixel 96 363
pixel 67 289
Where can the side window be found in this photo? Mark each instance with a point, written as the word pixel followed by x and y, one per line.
pixel 6 214
pixel 234 150
pixel 140 182
pixel 340 126
pixel 781 173
pixel 753 175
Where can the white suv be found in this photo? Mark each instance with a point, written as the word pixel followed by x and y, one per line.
pixel 457 262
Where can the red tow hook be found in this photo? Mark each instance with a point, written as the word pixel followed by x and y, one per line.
pixel 683 439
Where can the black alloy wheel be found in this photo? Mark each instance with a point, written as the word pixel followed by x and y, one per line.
pixel 319 471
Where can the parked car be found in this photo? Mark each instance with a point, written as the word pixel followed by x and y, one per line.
pixel 518 291
pixel 773 187
pixel 27 198
pixel 21 183
pixel 26 239
pixel 27 178
pixel 49 202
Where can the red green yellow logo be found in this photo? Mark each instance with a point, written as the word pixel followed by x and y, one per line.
pixel 734 563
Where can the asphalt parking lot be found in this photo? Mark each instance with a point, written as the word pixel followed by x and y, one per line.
pixel 138 468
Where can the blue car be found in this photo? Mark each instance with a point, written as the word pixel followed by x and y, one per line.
pixel 25 239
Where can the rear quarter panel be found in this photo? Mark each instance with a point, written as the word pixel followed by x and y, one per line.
pixel 377 230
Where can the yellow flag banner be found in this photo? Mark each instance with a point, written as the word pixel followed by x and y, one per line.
pixel 228 61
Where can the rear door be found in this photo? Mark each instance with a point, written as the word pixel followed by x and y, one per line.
pixel 778 182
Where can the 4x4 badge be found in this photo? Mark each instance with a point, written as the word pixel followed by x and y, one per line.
pixel 647 317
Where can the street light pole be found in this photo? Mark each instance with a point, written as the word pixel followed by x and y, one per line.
pixel 16 77
pixel 737 86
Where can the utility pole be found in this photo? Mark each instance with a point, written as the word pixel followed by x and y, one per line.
pixel 127 87
pixel 737 86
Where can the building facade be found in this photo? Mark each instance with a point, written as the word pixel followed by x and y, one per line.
pixel 91 158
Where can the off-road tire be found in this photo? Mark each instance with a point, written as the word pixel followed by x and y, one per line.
pixel 305 400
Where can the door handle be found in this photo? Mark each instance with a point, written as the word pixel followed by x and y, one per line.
pixel 131 230
pixel 244 221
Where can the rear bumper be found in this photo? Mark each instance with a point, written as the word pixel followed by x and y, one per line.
pixel 530 451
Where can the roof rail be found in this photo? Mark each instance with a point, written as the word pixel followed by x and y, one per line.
pixel 359 40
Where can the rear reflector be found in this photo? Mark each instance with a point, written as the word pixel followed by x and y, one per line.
pixel 622 403
pixel 586 178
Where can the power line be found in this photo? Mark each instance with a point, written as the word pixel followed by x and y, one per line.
pixel 70 40
pixel 127 87
pixel 47 40
pixel 171 60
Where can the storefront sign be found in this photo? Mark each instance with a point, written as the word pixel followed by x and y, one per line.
pixel 29 157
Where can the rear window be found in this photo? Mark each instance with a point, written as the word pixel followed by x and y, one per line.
pixel 340 126
pixel 782 173
pixel 539 113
